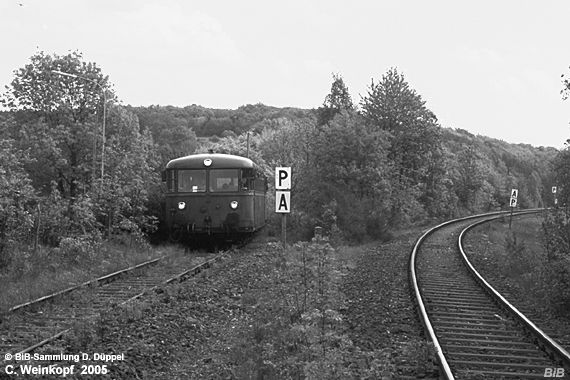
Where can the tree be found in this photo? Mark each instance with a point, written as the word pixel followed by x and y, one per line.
pixel 566 87
pixel 415 136
pixel 175 142
pixel 470 177
pixel 55 117
pixel 562 163
pixel 56 125
pixel 59 99
pixel 562 170
pixel 336 101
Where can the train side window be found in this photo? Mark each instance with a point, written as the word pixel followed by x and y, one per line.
pixel 223 180
pixel 246 179
pixel 171 180
pixel 191 181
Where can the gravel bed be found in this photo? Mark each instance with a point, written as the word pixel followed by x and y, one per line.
pixel 381 316
pixel 215 326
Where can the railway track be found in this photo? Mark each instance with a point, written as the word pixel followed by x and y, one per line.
pixel 29 326
pixel 476 333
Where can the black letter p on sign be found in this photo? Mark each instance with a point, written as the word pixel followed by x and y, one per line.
pixel 283 178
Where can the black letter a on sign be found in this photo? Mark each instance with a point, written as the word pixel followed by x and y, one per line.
pixel 283 203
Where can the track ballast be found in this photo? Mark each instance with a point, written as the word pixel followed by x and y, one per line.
pixel 475 336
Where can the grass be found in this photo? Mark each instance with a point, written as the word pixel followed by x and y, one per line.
pixel 31 275
pixel 517 254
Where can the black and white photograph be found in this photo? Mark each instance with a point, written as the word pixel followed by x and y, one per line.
pixel 304 190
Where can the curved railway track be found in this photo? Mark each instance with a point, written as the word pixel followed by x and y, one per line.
pixel 26 327
pixel 476 332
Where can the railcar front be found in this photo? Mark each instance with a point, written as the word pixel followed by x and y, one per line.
pixel 214 196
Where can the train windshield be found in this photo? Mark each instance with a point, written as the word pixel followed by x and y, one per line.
pixel 222 180
pixel 191 181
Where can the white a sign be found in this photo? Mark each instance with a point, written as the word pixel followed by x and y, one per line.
pixel 283 201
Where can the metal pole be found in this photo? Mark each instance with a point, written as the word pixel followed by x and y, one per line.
pixel 103 138
pixel 284 229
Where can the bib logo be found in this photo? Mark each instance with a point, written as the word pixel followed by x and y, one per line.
pixel 554 372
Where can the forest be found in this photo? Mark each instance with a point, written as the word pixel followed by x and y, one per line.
pixel 361 168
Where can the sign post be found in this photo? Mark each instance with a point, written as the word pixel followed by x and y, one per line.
pixel 513 204
pixel 283 197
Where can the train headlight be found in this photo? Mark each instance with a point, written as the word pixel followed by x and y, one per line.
pixel 234 204
pixel 207 162
pixel 181 205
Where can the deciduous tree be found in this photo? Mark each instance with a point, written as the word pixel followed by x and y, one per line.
pixel 391 105
pixel 336 101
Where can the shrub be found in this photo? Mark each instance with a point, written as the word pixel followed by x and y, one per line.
pixel 79 248
pixel 556 232
pixel 296 330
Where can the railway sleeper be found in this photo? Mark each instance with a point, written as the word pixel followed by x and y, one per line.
pixel 458 297
pixel 486 331
pixel 467 320
pixel 473 324
pixel 531 359
pixel 490 364
pixel 439 306
pixel 432 288
pixel 510 337
pixel 490 343
pixel 454 299
pixel 489 350
pixel 465 314
pixel 497 375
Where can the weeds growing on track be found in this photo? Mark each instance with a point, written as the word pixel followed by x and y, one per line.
pixel 522 256
pixel 48 270
pixel 267 313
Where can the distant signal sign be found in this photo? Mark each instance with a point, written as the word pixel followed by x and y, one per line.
pixel 514 195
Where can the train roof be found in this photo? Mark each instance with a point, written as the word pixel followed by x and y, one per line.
pixel 218 161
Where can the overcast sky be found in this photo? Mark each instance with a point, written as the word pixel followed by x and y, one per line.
pixel 490 67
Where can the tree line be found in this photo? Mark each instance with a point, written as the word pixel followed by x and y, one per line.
pixel 385 163
pixel 361 169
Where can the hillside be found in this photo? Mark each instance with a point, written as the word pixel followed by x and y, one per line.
pixel 494 166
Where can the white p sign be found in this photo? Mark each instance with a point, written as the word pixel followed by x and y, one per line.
pixel 283 178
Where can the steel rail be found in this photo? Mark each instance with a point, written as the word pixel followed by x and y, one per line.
pixel 547 342
pixel 98 281
pixel 180 277
pixel 443 363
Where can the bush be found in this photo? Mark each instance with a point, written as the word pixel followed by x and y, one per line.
pixel 78 248
pixel 16 196
pixel 296 330
pixel 556 232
